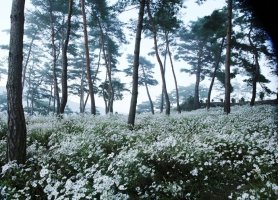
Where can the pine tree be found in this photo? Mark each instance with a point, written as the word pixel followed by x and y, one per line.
pixel 16 140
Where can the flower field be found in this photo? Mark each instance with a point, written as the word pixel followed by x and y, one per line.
pixel 194 155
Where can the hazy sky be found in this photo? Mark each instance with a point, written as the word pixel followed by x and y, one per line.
pixel 191 13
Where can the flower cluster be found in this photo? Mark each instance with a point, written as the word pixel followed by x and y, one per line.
pixel 194 155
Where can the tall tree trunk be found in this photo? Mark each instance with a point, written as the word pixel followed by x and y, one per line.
pixel 50 97
pixel 227 103
pixel 64 80
pixel 32 101
pixel 256 72
pixel 107 59
pixel 95 77
pixel 16 137
pixel 216 66
pixel 162 90
pixel 89 78
pixel 54 55
pixel 167 101
pixel 111 88
pixel 196 104
pixel 29 89
pixel 173 72
pixel 133 101
pixel 147 90
pixel 82 103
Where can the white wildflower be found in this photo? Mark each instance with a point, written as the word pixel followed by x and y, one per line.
pixel 43 172
pixel 122 187
pixel 194 172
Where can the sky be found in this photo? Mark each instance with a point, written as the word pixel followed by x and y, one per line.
pixel 192 12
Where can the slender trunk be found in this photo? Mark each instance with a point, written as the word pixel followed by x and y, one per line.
pixel 162 90
pixel 26 62
pixel 227 103
pixel 198 78
pixel 174 74
pixel 65 62
pixel 107 59
pixel 159 61
pixel 147 89
pixel 50 97
pixel 255 79
pixel 16 136
pixel 133 101
pixel 29 89
pixel 91 88
pixel 256 72
pixel 216 66
pixel 27 102
pixel 54 55
pixel 32 101
pixel 95 77
pixel 82 106
pixel 111 89
pixel 196 90
pixel 104 96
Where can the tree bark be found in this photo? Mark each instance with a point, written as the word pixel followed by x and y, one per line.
pixel 94 79
pixel 82 103
pixel 54 55
pixel 16 137
pixel 214 72
pixel 162 90
pixel 167 101
pixel 133 101
pixel 174 74
pixel 64 80
pixel 227 103
pixel 88 68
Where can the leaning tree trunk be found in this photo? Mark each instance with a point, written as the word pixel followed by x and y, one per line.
pixel 27 62
pixel 147 90
pixel 227 103
pixel 215 71
pixel 167 101
pixel 95 77
pixel 133 101
pixel 107 59
pixel 64 80
pixel 174 74
pixel 88 68
pixel 16 137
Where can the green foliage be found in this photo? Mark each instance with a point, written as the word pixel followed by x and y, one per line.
pixel 145 71
pixel 188 104
pixel 143 107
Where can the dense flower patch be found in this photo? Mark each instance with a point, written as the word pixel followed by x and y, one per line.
pixel 194 155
